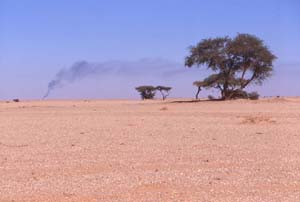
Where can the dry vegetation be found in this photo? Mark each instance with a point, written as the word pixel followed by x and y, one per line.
pixel 122 151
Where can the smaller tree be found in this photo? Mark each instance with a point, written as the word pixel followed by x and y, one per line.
pixel 164 91
pixel 211 81
pixel 198 84
pixel 146 92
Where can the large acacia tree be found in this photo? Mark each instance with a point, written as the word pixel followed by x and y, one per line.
pixel 236 62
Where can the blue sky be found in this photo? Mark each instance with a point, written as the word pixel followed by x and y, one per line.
pixel 39 38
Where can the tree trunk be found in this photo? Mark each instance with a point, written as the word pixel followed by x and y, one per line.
pixel 225 93
pixel 162 94
pixel 197 94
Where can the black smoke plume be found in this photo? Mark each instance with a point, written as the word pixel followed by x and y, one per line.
pixel 83 69
pixel 77 71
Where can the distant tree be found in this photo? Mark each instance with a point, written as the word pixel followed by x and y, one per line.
pixel 164 91
pixel 236 63
pixel 146 92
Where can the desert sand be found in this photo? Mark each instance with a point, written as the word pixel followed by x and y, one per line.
pixel 126 150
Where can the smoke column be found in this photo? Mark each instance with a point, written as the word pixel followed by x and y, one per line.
pixel 140 68
pixel 76 72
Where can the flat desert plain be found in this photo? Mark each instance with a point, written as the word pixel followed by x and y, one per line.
pixel 122 150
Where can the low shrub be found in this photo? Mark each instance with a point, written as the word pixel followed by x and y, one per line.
pixel 253 96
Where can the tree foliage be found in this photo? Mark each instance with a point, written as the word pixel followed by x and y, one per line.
pixel 236 63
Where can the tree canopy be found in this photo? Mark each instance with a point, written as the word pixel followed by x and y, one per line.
pixel 236 63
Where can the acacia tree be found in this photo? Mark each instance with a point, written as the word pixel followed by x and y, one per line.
pixel 164 91
pixel 236 63
pixel 146 92
pixel 199 85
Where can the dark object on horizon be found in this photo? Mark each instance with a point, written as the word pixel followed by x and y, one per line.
pixel 237 62
pixel 164 90
pixel 16 100
pixel 146 92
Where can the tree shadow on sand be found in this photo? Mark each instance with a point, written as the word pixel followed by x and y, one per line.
pixel 195 101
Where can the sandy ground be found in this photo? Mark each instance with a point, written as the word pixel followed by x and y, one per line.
pixel 150 151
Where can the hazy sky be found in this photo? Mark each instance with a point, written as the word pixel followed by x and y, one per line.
pixel 39 38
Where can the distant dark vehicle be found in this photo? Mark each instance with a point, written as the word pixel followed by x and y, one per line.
pixel 16 100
